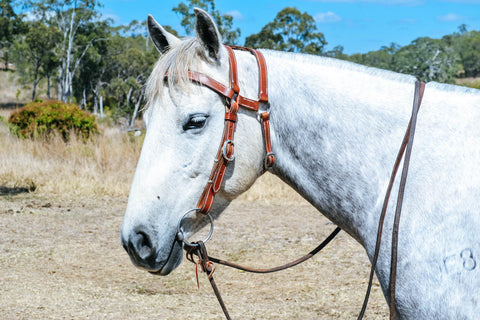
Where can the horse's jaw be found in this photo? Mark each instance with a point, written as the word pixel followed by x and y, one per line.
pixel 173 261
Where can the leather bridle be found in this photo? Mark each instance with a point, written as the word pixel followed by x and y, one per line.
pixel 226 154
pixel 233 101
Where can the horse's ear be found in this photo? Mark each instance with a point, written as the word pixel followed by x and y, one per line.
pixel 161 38
pixel 207 33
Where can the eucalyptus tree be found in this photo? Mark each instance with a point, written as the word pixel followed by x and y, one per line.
pixel 37 47
pixel 224 21
pixel 292 31
pixel 131 61
pixel 468 48
pixel 92 68
pixel 68 16
pixel 428 59
pixel 11 25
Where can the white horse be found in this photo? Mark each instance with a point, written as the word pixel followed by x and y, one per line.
pixel 336 129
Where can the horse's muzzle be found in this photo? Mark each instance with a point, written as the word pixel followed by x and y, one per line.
pixel 140 249
pixel 144 254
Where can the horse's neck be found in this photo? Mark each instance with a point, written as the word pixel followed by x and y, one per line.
pixel 336 129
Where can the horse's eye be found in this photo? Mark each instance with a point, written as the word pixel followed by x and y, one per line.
pixel 195 121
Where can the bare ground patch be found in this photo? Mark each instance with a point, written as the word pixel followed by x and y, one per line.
pixel 61 258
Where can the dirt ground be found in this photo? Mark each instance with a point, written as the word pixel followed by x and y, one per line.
pixel 62 259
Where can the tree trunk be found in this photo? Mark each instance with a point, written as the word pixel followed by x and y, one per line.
pixel 60 81
pixel 67 81
pixel 84 100
pixel 36 80
pixel 101 107
pixel 135 111
pixel 95 104
pixel 34 90
pixel 48 87
pixel 129 95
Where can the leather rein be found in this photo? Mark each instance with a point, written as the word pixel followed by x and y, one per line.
pixel 225 155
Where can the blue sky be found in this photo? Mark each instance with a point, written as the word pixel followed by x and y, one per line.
pixel 357 25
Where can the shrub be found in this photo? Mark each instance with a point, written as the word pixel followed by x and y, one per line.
pixel 43 119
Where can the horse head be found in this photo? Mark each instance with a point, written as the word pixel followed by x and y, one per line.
pixel 185 122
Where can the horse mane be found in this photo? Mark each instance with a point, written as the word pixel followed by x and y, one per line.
pixel 177 61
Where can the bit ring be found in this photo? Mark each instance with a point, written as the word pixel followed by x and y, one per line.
pixel 181 235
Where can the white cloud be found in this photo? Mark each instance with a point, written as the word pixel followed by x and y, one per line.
pixel 327 17
pixel 450 17
pixel 235 14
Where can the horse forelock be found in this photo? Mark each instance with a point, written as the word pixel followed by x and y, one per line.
pixel 176 62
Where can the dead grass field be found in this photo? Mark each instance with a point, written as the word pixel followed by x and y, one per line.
pixel 103 166
pixel 61 258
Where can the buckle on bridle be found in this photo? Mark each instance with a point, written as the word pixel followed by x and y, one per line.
pixel 181 234
pixel 267 163
pixel 224 150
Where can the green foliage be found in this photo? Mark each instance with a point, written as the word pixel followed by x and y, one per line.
pixel 383 58
pixel 291 31
pixel 11 25
pixel 42 119
pixel 468 48
pixel 37 53
pixel 224 21
pixel 428 60
pixel 337 53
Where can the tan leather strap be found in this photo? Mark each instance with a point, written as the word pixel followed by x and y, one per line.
pixel 233 100
pixel 270 156
pixel 262 73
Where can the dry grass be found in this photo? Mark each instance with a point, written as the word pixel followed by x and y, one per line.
pixel 469 82
pixel 102 166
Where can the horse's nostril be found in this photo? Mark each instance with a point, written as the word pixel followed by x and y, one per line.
pixel 142 245
pixel 140 248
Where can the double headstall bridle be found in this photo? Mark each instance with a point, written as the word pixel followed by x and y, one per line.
pixel 225 155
